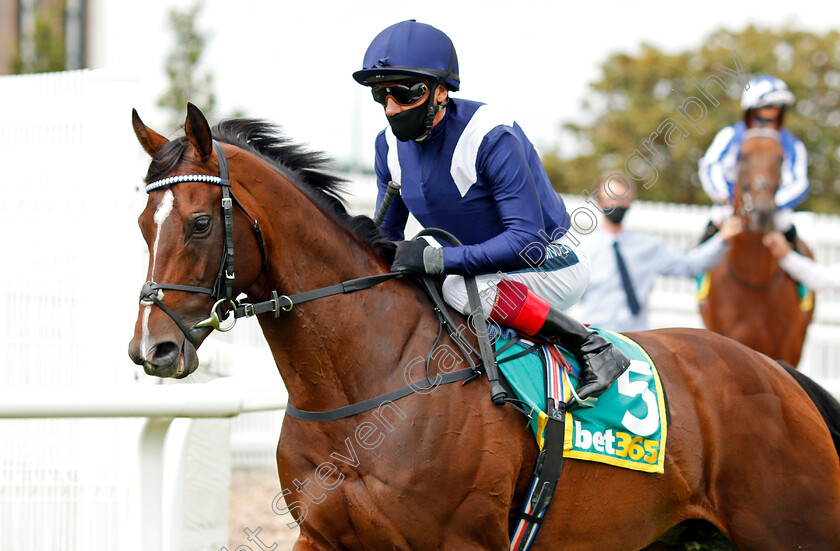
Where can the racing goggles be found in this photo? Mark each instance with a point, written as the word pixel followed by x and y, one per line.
pixel 405 93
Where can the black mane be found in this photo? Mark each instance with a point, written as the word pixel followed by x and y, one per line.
pixel 308 169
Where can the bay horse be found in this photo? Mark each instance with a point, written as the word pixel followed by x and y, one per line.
pixel 748 454
pixel 751 299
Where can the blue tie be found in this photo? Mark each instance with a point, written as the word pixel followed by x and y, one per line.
pixel 626 282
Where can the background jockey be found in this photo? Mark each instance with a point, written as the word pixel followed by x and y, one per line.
pixel 764 103
pixel 468 170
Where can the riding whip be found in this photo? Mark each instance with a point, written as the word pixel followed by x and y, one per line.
pixel 390 193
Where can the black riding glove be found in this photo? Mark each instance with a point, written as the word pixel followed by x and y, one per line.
pixel 417 257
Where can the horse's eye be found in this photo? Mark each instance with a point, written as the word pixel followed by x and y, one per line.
pixel 201 225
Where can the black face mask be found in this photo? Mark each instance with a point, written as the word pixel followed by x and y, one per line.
pixel 413 123
pixel 616 215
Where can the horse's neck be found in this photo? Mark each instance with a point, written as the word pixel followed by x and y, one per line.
pixel 750 261
pixel 341 349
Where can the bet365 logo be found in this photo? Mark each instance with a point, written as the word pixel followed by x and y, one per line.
pixel 632 445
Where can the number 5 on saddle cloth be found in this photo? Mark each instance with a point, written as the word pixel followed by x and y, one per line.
pixel 623 429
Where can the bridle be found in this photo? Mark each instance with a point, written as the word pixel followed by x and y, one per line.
pixel 222 289
pixel 226 309
pixel 747 207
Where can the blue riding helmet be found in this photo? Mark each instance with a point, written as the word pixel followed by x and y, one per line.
pixel 410 49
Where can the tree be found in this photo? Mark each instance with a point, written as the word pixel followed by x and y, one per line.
pixel 187 81
pixel 637 95
pixel 47 41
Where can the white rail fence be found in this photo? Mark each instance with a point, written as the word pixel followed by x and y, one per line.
pixel 163 455
pixel 673 300
pixel 68 304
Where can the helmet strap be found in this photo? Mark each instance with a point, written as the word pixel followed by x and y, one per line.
pixel 432 109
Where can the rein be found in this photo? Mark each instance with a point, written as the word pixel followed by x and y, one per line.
pixel 222 290
pixel 285 303
pixel 745 211
pixel 745 208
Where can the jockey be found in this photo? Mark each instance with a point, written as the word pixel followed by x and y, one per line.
pixel 764 103
pixel 466 169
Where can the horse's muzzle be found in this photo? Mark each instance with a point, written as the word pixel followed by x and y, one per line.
pixel 166 359
pixel 763 218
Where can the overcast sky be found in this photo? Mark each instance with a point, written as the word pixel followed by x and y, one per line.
pixel 291 62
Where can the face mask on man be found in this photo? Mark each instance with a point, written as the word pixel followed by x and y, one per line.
pixel 616 215
pixel 413 123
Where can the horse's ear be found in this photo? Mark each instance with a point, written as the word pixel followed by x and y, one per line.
pixel 198 132
pixel 148 138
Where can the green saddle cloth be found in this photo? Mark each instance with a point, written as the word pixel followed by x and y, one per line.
pixel 624 428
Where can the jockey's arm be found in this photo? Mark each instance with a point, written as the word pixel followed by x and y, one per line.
pixel 794 186
pixel 502 163
pixel 712 169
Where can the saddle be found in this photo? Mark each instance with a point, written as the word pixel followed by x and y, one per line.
pixel 550 459
pixel 552 416
pixel 627 430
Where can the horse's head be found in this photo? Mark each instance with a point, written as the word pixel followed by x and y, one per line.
pixel 199 216
pixel 187 224
pixel 759 175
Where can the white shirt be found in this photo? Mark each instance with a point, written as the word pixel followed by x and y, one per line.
pixel 812 275
pixel 604 303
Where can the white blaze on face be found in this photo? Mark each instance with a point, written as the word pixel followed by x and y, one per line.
pixel 161 214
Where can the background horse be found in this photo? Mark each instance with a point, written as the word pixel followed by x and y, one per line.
pixel 751 299
pixel 748 452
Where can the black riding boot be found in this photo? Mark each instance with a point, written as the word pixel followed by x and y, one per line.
pixel 600 362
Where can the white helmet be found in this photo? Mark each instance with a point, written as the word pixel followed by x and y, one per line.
pixel 766 90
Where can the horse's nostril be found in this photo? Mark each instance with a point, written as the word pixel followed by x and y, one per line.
pixel 164 353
